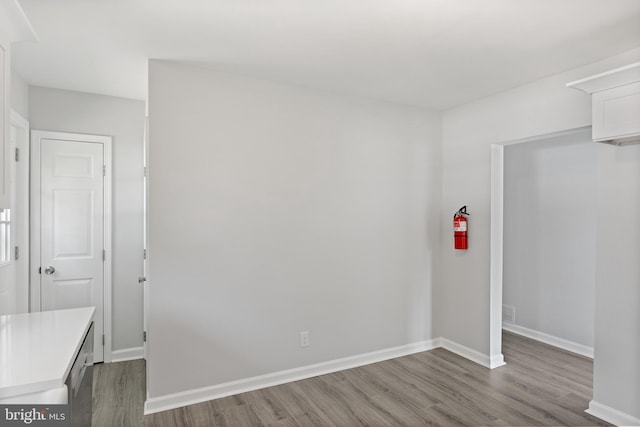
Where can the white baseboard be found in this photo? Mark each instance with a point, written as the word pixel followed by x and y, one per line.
pixel 125 354
pixel 190 397
pixel 473 355
pixel 611 415
pixel 549 339
pixel 496 361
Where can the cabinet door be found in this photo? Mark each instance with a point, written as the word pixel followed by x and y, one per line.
pixel 616 112
pixel 4 123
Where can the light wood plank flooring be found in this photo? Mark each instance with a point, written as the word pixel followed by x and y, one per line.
pixel 540 386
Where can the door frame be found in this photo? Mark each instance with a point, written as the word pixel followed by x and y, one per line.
pixel 21 239
pixel 145 241
pixel 106 141
pixel 497 236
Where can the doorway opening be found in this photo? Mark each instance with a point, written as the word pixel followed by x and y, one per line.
pixel 536 276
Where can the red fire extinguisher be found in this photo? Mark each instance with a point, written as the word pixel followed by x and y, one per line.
pixel 460 229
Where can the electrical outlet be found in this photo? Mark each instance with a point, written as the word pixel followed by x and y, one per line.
pixel 304 339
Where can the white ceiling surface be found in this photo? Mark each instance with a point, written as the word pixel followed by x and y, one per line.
pixel 431 53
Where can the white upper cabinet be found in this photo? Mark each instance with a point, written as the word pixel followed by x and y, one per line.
pixel 14 27
pixel 616 113
pixel 615 104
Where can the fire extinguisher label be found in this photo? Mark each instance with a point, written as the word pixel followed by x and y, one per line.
pixel 460 226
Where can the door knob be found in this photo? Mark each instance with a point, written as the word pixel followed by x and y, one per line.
pixel 49 270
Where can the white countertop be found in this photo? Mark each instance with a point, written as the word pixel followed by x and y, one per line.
pixel 37 350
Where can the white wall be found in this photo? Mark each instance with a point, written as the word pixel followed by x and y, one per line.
pixel 617 340
pixel 276 209
pixel 123 119
pixel 538 108
pixel 550 235
pixel 19 95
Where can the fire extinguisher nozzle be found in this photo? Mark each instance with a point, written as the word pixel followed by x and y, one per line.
pixel 461 211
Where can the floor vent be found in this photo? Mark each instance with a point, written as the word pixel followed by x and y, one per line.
pixel 508 313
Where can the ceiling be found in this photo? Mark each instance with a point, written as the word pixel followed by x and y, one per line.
pixel 430 53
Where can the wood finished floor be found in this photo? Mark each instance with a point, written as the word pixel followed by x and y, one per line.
pixel 539 386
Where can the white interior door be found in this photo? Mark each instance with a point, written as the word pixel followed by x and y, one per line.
pixel 72 226
pixel 9 292
pixel 20 191
pixel 14 227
